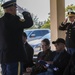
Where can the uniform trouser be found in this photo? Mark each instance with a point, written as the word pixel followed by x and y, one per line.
pixel 71 50
pixel 12 68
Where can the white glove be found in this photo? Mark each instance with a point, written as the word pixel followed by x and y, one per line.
pixel 20 9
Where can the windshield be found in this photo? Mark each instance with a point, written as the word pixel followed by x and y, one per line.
pixel 46 36
pixel 28 32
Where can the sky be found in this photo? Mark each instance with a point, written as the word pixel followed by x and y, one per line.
pixel 41 8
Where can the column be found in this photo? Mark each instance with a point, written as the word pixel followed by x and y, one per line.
pixel 57 15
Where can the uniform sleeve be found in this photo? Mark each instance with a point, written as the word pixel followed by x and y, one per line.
pixel 27 21
pixel 63 26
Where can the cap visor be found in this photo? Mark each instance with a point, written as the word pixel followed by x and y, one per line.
pixel 53 42
pixel 71 15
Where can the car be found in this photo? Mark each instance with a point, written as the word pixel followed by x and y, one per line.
pixel 36 44
pixel 33 34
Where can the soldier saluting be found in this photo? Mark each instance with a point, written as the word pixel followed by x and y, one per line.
pixel 12 54
pixel 70 34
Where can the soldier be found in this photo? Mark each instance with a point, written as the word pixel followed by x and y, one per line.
pixel 12 54
pixel 70 34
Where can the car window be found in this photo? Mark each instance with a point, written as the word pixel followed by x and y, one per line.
pixel 43 32
pixel 46 36
pixel 40 32
pixel 28 32
pixel 36 33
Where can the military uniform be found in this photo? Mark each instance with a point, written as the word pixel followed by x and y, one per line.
pixel 13 29
pixel 13 36
pixel 70 33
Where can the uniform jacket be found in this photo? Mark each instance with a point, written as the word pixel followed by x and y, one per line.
pixel 61 62
pixel 70 34
pixel 14 26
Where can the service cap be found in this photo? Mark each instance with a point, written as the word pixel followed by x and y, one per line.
pixel 8 4
pixel 71 14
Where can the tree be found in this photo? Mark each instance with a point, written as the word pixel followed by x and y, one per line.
pixel 71 7
pixel 37 23
pixel 46 23
pixel 1 11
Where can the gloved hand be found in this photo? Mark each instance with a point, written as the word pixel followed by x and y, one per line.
pixel 20 9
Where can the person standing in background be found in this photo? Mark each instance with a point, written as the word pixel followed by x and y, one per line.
pixel 70 34
pixel 12 54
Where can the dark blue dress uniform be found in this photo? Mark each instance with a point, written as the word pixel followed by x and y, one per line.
pixel 13 53
pixel 70 32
